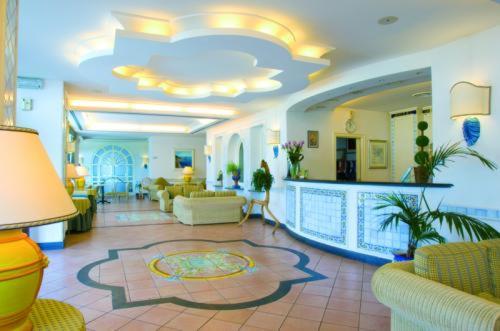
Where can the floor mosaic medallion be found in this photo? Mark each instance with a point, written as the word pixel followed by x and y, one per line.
pixel 201 265
pixel 196 273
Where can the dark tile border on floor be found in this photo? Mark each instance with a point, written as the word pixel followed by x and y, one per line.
pixel 118 292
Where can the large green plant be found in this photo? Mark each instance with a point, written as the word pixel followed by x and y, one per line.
pixel 262 180
pixel 232 169
pixel 421 218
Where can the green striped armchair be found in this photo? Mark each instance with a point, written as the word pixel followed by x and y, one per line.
pixel 449 287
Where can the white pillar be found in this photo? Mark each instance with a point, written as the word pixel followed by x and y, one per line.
pixel 8 60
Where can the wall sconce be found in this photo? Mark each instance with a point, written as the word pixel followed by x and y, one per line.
pixel 273 138
pixel 207 150
pixel 468 99
pixel 145 161
pixel 70 147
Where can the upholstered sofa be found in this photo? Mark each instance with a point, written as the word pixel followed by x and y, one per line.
pixel 156 185
pixel 209 207
pixel 453 286
pixel 166 196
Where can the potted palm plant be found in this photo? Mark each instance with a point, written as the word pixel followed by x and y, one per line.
pixel 234 170
pixel 421 218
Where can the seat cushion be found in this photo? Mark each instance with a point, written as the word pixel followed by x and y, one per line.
pixel 492 247
pixel 202 194
pixel 174 191
pixel 463 266
pixel 225 194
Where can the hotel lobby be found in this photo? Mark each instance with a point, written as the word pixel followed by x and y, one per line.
pixel 251 165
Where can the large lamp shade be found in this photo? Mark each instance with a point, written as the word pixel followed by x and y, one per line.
pixel 82 171
pixel 26 164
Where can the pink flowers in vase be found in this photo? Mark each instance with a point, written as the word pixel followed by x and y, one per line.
pixel 294 153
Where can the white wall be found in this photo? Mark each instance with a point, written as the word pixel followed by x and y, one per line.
pixel 321 161
pixel 161 155
pixel 47 117
pixel 137 148
pixel 474 58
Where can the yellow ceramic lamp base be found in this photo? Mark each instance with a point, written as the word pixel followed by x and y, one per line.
pixel 70 187
pixel 80 183
pixel 21 272
pixel 187 179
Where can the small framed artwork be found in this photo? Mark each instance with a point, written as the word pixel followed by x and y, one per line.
pixel 184 158
pixel 313 139
pixel 377 154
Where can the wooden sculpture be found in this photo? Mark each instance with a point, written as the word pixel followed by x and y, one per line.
pixel 264 204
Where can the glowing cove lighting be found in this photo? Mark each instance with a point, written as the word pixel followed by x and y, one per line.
pixel 87 104
pixel 92 124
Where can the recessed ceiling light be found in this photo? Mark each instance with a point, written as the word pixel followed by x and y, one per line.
pixel 388 20
pixel 424 94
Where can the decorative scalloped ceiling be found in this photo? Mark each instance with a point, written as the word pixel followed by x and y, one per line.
pixel 223 55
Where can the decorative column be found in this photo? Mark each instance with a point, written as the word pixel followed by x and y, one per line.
pixel 8 60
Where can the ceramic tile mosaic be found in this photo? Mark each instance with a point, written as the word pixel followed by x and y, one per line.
pixel 481 213
pixel 323 214
pixel 369 219
pixel 290 206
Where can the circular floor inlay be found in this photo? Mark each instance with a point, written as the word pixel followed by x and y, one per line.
pixel 201 265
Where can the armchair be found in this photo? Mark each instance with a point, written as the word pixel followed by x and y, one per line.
pixel 456 302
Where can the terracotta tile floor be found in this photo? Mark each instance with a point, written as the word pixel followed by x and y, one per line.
pixel 341 301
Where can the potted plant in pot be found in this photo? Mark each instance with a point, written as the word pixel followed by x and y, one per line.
pixel 262 180
pixel 219 177
pixel 294 153
pixel 422 141
pixel 234 170
pixel 421 218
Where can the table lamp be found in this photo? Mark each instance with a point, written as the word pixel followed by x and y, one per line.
pixel 21 260
pixel 71 173
pixel 80 181
pixel 188 174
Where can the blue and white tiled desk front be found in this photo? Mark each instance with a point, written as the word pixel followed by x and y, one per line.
pixel 342 215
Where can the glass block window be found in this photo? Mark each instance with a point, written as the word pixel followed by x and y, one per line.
pixel 113 166
pixel 290 206
pixel 323 214
pixel 369 219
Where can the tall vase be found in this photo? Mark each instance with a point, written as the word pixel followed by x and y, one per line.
pixel 295 170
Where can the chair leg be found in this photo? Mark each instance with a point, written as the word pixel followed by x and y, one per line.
pixel 278 223
pixel 248 213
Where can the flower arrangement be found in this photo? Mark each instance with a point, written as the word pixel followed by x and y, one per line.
pixel 294 152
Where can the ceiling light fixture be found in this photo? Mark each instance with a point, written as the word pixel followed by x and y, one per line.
pixel 85 104
pixel 388 20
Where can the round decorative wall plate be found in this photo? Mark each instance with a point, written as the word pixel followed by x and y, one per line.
pixel 350 126
pixel 201 265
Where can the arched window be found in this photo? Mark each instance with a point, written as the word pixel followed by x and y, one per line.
pixel 112 164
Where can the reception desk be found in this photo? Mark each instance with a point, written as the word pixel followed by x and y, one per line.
pixel 339 216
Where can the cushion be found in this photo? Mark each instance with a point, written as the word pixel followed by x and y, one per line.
pixel 463 266
pixel 161 181
pixel 492 247
pixel 489 297
pixel 225 193
pixel 188 188
pixel 202 194
pixel 174 191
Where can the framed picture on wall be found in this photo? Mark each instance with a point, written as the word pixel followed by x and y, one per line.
pixel 184 158
pixel 377 154
pixel 313 139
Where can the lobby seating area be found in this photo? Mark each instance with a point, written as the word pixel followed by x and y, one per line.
pixel 322 165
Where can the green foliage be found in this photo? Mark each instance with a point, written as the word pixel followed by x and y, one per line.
pixel 422 125
pixel 421 157
pixel 422 141
pixel 443 156
pixel 420 219
pixel 232 168
pixel 262 180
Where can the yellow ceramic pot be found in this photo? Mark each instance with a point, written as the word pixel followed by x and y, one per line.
pixel 21 271
pixel 80 183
